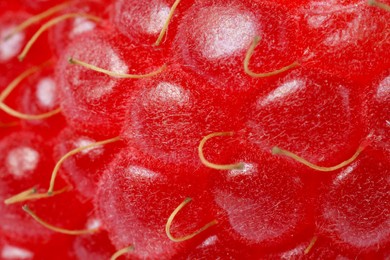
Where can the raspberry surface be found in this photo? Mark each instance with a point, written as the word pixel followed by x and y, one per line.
pixel 225 129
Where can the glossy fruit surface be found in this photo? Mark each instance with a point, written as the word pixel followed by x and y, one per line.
pixel 194 130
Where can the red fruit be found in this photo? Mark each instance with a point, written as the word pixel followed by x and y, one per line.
pixel 6 120
pixel 143 21
pixel 209 43
pixel 213 248
pixel 136 198
pixel 376 110
pixel 24 164
pixel 354 212
pixel 14 40
pixel 93 102
pixel 36 96
pixel 11 46
pixel 169 115
pixel 346 38
pixel 308 113
pixel 33 97
pixel 83 170
pixel 40 5
pixel 94 246
pixel 64 32
pixel 312 248
pixel 6 6
pixel 12 251
pixel 303 79
pixel 266 204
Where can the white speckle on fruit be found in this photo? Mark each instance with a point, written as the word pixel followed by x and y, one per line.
pixel 209 242
pixel 345 94
pixel 293 252
pixel 383 90
pixel 321 15
pixel 255 219
pixel 13 252
pixel 100 85
pixel 11 47
pixel 283 91
pixel 94 223
pixel 81 25
pixel 362 234
pixel 219 36
pixel 248 169
pixel 115 62
pixel 22 159
pixel 167 92
pixel 316 21
pixel 344 36
pixel 93 151
pixel 46 92
pixel 158 16
pixel 142 172
pixel 344 173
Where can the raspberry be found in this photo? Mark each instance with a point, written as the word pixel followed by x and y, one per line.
pixel 77 169
pixel 209 43
pixel 331 123
pixel 375 110
pixel 168 115
pixel 217 129
pixel 248 215
pixel 88 96
pixel 355 215
pixel 128 183
pixel 333 30
pixel 63 33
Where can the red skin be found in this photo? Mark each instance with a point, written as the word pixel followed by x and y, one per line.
pixel 326 133
pixel 32 174
pixel 95 246
pixel 25 164
pixel 36 95
pixel 95 103
pixel 63 33
pixel 12 18
pixel 353 210
pixel 9 64
pixel 129 203
pixel 197 48
pixel 83 170
pixel 376 110
pixel 266 205
pixel 213 246
pixel 149 123
pixel 131 18
pixel 5 118
pixel 321 249
pixel 347 38
pixel 39 6
pixel 55 248
pixel 10 67
pixel 270 213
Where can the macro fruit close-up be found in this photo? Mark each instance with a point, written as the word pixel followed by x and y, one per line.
pixel 194 129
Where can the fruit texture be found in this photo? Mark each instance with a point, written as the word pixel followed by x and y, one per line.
pixel 225 129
